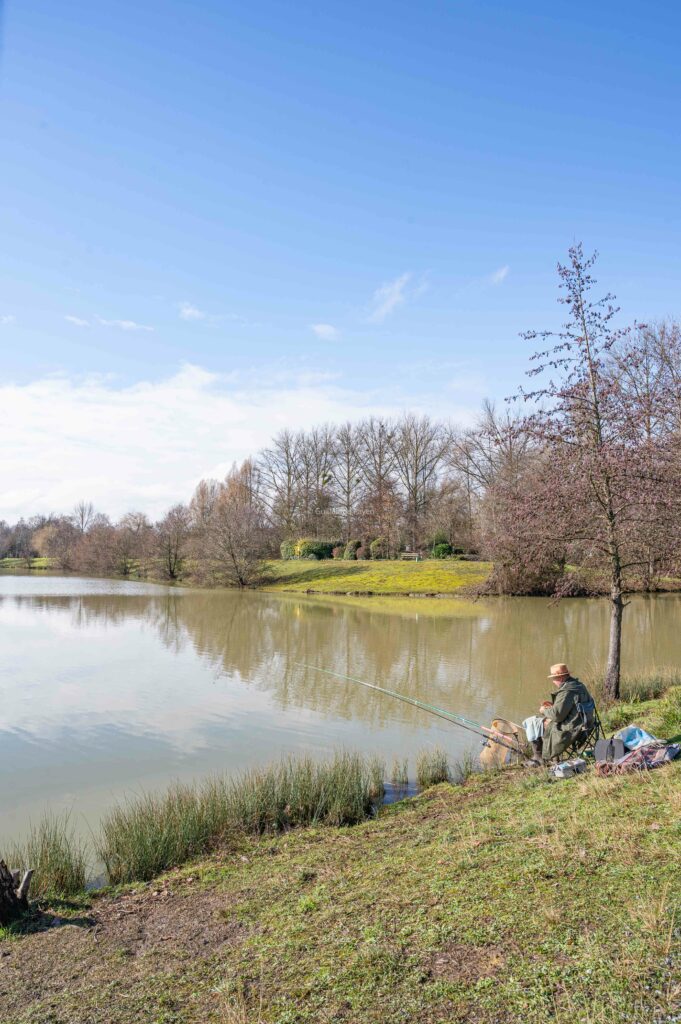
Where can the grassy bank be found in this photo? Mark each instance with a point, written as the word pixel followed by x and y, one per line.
pixel 331 576
pixel 21 564
pixel 509 898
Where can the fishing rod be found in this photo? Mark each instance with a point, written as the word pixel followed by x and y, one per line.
pixel 448 716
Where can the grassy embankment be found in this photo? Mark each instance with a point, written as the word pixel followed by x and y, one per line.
pixel 510 898
pixel 331 576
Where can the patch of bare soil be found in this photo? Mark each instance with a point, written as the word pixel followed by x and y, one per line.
pixel 460 963
pixel 125 937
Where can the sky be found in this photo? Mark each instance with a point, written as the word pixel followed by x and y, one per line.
pixel 222 219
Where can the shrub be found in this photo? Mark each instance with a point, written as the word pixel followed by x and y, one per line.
pixel 363 553
pixel 337 552
pixel 442 550
pixel 379 548
pixel 287 549
pixel 307 546
pixel 351 549
pixel 432 767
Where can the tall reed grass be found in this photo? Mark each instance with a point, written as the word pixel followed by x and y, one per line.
pixel 148 835
pixel 58 857
pixel 432 767
pixel 399 775
pixel 638 687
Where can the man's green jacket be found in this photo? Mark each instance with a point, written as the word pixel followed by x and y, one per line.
pixel 565 721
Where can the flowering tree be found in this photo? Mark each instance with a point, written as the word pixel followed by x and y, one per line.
pixel 607 482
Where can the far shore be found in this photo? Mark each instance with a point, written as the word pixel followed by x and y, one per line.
pixel 388 578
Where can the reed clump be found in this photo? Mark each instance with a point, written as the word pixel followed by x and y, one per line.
pixel 399 775
pixel 148 835
pixel 57 856
pixel 432 767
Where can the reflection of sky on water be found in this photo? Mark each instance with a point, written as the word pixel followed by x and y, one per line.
pixel 109 686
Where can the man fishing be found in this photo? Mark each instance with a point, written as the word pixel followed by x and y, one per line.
pixel 562 720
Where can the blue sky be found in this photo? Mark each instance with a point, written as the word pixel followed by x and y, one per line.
pixel 321 207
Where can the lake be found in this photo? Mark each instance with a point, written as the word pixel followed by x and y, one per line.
pixel 112 687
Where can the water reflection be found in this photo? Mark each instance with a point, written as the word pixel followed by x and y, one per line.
pixel 107 686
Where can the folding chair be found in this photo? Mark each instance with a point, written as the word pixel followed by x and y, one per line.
pixel 587 738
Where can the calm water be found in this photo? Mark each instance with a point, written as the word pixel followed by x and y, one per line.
pixel 112 687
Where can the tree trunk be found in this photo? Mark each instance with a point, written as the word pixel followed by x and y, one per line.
pixel 611 688
pixel 13 896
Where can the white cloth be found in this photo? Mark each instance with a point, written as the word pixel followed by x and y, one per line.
pixel 534 727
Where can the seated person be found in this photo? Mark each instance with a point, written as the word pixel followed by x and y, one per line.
pixel 567 715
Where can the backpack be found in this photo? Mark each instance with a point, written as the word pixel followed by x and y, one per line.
pixel 609 750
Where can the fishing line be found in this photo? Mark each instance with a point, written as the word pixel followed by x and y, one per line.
pixel 447 716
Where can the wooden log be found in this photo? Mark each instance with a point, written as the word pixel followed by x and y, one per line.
pixel 13 895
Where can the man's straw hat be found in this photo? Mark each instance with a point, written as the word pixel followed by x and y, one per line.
pixel 559 670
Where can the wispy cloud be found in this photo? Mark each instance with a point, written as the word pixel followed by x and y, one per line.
pixel 388 297
pixel 78 321
pixel 499 275
pixel 124 325
pixel 190 312
pixel 327 332
pixel 7 318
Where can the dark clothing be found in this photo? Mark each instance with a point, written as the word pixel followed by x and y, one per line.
pixel 571 714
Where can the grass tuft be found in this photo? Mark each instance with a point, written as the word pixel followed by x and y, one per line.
pixel 432 767
pixel 152 833
pixel 399 775
pixel 56 855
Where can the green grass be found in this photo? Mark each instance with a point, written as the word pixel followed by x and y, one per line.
pixel 511 898
pixel 332 576
pixel 57 856
pixel 508 899
pixel 14 564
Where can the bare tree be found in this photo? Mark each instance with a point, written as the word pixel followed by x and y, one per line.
pixel 83 516
pixel 61 543
pixel 419 445
pixel 348 480
pixel 280 469
pixel 604 480
pixel 233 539
pixel 377 464
pixel 173 532
pixel 316 463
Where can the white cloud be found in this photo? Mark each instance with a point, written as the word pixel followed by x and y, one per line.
pixel 499 275
pixel 189 312
pixel 124 325
pixel 146 445
pixel 388 297
pixel 7 318
pixel 77 321
pixel 327 332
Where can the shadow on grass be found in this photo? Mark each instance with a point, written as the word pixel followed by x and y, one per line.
pixel 39 919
